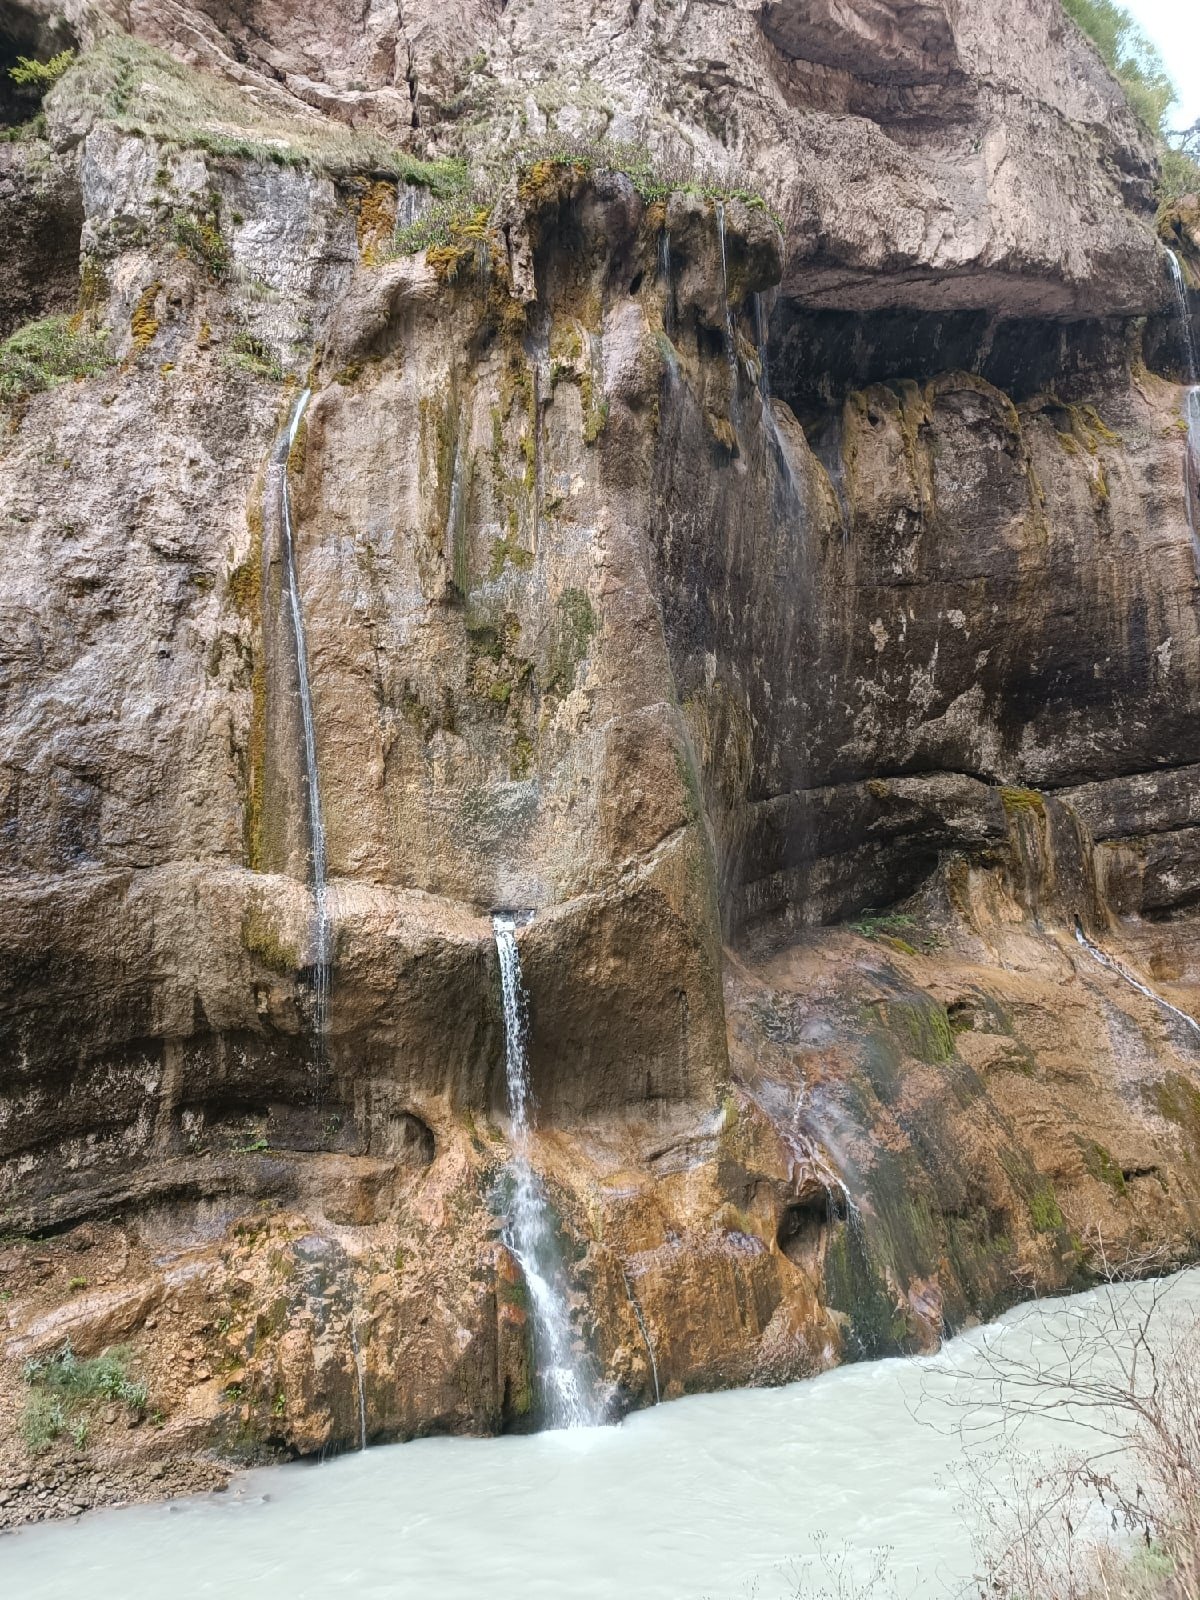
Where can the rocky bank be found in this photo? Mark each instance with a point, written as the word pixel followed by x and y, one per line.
pixel 741 518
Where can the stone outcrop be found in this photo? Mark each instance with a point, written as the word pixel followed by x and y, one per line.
pixel 774 574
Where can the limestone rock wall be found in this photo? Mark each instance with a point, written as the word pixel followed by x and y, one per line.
pixel 773 583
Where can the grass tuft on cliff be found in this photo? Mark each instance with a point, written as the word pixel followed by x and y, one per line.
pixel 653 179
pixel 62 1384
pixel 144 91
pixel 43 354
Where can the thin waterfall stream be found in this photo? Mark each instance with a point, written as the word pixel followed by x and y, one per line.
pixel 1191 408
pixel 362 1389
pixel 531 1234
pixel 316 825
pixel 1113 965
pixel 730 337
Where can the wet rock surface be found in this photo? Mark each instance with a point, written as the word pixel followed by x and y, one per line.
pixel 779 591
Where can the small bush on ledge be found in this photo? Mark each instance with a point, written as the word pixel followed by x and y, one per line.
pixel 44 354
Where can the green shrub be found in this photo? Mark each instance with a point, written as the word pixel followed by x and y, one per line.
pixel 52 351
pixel 1180 173
pixel 41 75
pixel 200 238
pixel 1129 56
pixel 653 179
pixel 896 928
pixel 104 1377
pixel 253 355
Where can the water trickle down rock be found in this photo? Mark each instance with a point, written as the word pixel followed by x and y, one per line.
pixel 1105 960
pixel 1192 403
pixel 730 339
pixel 761 332
pixel 531 1234
pixel 316 827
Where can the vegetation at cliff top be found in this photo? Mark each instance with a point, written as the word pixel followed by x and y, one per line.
pixel 141 90
pixel 46 353
pixel 1139 69
pixel 461 220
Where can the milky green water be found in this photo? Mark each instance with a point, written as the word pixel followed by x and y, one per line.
pixel 719 1496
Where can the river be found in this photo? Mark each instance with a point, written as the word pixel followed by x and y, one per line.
pixel 714 1497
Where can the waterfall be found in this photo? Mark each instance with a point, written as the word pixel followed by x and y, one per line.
pixel 664 273
pixel 531 1234
pixel 1185 315
pixel 645 1332
pixel 1123 972
pixel 316 827
pixel 1192 403
pixel 362 1392
pixel 456 531
pixel 760 333
pixel 730 341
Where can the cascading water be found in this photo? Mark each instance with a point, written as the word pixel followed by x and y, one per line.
pixel 730 340
pixel 316 826
pixel 1121 971
pixel 645 1333
pixel 1192 402
pixel 531 1234
pixel 760 333
pixel 362 1388
pixel 1185 316
pixel 664 273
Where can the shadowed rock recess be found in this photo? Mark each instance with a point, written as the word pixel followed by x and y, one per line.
pixel 740 527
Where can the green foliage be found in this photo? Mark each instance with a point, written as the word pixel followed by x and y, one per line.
pixel 25 132
pixel 462 217
pixel 252 355
pixel 456 219
pixel 1044 1211
pixel 1129 56
pixel 41 75
pixel 1180 173
pixel 46 353
pixel 200 237
pixel 898 929
pixel 653 179
pixel 42 1420
pixel 60 1384
pixel 104 1377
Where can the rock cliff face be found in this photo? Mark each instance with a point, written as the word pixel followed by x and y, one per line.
pixel 751 533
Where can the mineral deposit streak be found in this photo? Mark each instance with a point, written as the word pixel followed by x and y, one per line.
pixel 531 1234
pixel 316 825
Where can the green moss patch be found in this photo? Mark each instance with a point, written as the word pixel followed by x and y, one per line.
pixel 575 626
pixel 262 939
